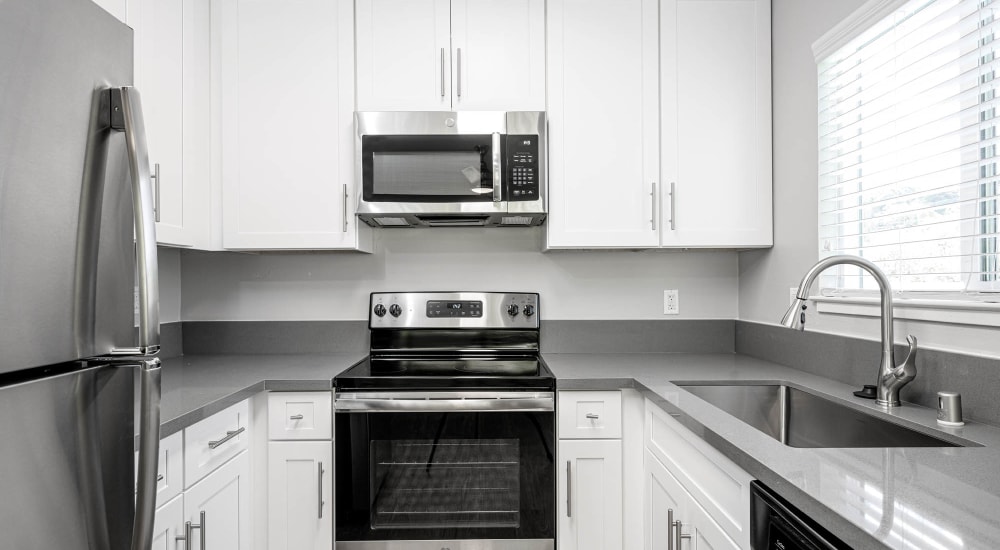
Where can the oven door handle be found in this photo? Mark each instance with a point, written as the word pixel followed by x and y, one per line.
pixel 445 402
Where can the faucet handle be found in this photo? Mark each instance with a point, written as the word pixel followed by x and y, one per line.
pixel 907 370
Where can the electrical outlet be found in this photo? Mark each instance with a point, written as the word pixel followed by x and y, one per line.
pixel 671 302
pixel 791 294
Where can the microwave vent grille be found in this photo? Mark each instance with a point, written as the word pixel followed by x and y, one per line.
pixel 516 220
pixel 392 222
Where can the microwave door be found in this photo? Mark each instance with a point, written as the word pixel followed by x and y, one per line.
pixel 430 169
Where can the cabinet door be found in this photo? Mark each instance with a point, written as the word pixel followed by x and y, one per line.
pixel 172 74
pixel 300 495
pixel 403 55
pixel 717 123
pixel 705 533
pixel 603 109
pixel 168 524
pixel 498 55
pixel 664 499
pixel 590 494
pixel 287 124
pixel 225 498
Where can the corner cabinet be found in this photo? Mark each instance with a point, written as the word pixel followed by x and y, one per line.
pixel 427 55
pixel 683 159
pixel 172 74
pixel 287 129
pixel 220 505
pixel 691 484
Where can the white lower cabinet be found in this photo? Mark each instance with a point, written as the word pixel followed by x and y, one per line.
pixel 300 495
pixel 708 494
pixel 590 494
pixel 168 524
pixel 224 498
pixel 670 511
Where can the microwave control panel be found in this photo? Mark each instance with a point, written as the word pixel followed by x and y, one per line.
pixel 522 168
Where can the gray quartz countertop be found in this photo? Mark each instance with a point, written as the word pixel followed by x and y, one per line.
pixel 947 498
pixel 197 386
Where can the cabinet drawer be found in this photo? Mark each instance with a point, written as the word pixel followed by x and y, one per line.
pixel 213 441
pixel 169 468
pixel 716 483
pixel 590 414
pixel 299 415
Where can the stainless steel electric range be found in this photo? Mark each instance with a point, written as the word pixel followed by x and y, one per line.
pixel 445 434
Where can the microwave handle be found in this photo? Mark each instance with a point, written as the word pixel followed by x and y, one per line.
pixel 497 174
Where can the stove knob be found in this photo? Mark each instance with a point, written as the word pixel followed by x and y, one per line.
pixel 380 310
pixel 395 310
pixel 529 310
pixel 512 310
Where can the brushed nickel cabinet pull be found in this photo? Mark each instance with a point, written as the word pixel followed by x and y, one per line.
pixel 296 417
pixel 458 69
pixel 569 489
pixel 652 218
pixel 319 490
pixel 229 435
pixel 444 67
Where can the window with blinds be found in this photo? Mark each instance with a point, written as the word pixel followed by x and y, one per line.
pixel 908 150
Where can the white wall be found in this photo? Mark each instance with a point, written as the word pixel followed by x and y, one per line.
pixel 765 276
pixel 573 285
pixel 169 260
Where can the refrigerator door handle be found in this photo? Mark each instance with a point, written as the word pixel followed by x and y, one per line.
pixel 149 450
pixel 126 116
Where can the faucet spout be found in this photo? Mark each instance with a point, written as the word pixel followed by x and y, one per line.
pixel 890 377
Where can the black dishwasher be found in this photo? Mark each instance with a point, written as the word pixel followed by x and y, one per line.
pixel 777 525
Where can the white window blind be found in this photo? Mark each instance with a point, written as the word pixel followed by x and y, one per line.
pixel 908 150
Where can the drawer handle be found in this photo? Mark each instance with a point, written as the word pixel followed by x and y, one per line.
pixel 229 435
pixel 593 416
pixel 159 478
pixel 296 417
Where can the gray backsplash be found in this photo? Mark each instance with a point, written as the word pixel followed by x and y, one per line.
pixel 639 336
pixel 855 361
pixel 275 336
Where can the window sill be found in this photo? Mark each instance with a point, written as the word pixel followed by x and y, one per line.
pixel 932 311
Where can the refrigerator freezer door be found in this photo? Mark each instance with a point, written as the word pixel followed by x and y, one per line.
pixel 67 259
pixel 67 461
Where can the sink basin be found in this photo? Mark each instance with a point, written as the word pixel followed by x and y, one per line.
pixel 800 419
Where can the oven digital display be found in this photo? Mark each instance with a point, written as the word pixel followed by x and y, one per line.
pixel 464 308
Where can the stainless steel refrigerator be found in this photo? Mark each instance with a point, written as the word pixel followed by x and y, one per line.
pixel 76 243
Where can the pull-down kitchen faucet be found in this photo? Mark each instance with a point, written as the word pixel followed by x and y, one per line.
pixel 891 378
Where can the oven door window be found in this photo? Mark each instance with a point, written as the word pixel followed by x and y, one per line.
pixel 447 483
pixel 445 475
pixel 451 168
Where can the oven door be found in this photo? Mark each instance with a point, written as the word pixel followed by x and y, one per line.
pixel 407 169
pixel 430 470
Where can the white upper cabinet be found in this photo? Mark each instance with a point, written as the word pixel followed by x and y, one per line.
pixel 603 111
pixel 172 75
pixel 716 123
pixel 404 55
pixel 427 55
pixel 659 124
pixel 287 102
pixel 498 49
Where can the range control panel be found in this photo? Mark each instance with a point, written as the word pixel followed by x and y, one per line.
pixel 522 168
pixel 454 308
pixel 473 310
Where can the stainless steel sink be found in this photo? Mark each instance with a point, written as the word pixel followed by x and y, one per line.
pixel 800 419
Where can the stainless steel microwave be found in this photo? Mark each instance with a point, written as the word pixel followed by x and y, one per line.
pixel 451 169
